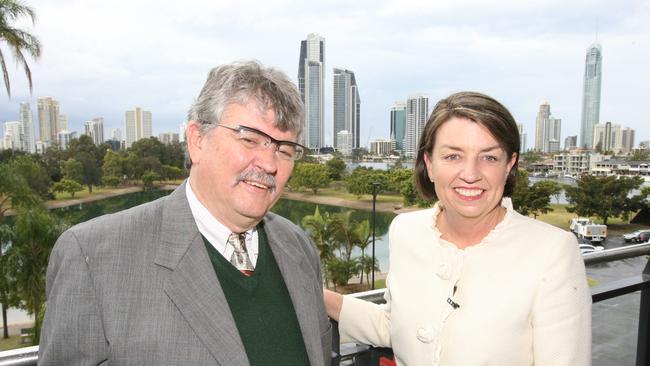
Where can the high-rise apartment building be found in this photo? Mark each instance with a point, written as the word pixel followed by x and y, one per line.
pixel 116 134
pixel 417 110
pixel 570 142
pixel 398 125
pixel 548 130
pixel 13 135
pixel 138 125
pixel 48 119
pixel 344 141
pixel 311 78
pixel 608 137
pixel 627 140
pixel 381 147
pixel 168 137
pixel 181 132
pixel 95 129
pixel 346 106
pixel 522 138
pixel 26 120
pixel 591 95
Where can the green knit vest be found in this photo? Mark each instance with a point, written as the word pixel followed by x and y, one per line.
pixel 262 308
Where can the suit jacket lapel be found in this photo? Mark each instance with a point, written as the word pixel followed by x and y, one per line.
pixel 193 286
pixel 298 278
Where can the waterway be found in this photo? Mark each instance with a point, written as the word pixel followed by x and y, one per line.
pixel 615 321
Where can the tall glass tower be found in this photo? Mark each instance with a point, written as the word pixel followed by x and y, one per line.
pixel 346 106
pixel 311 77
pixel 591 95
pixel 398 125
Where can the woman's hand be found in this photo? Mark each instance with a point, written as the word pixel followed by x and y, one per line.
pixel 333 303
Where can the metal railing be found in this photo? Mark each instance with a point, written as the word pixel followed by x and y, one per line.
pixel 364 355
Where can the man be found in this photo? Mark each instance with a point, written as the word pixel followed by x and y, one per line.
pixel 204 276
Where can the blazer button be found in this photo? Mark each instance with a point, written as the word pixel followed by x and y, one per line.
pixel 425 334
pixel 444 271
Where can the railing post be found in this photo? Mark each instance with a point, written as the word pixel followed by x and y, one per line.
pixel 642 356
pixel 336 343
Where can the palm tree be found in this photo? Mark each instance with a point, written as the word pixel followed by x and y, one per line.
pixel 17 39
pixel 321 232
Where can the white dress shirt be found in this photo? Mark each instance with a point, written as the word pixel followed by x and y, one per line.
pixel 216 232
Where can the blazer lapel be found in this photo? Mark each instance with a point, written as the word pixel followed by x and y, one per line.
pixel 297 276
pixel 193 286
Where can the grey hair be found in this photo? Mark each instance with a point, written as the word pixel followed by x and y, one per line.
pixel 244 81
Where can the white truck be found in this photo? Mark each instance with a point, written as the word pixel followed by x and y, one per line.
pixel 584 228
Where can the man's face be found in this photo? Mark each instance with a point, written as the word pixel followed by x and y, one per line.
pixel 238 185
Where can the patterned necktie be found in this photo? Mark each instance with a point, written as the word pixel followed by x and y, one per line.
pixel 240 258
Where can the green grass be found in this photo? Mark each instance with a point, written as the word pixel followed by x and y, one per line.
pixel 59 196
pixel 380 283
pixel 12 342
pixel 561 218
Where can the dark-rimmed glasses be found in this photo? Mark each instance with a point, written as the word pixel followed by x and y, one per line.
pixel 255 139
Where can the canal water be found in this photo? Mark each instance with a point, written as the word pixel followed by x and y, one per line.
pixel 615 321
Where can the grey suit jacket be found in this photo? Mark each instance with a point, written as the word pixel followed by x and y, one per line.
pixel 138 288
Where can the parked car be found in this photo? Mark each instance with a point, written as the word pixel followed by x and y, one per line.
pixel 644 237
pixel 588 248
pixel 634 236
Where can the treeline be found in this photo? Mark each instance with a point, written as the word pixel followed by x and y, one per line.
pixel 84 164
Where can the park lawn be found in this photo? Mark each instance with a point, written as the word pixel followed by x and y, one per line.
pixel 58 196
pixel 12 342
pixel 338 190
pixel 561 218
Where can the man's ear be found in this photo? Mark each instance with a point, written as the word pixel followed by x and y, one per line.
pixel 194 141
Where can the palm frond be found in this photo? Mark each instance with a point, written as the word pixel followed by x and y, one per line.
pixel 5 73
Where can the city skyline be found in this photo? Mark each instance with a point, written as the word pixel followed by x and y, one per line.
pixel 521 54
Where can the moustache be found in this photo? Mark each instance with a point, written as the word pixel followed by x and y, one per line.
pixel 253 175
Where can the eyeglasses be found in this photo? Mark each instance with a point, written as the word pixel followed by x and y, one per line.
pixel 255 139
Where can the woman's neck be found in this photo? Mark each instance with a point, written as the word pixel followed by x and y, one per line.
pixel 464 232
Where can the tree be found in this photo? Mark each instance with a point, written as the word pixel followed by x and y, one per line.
pixel 521 194
pixel 311 176
pixel 8 296
pixel 340 270
pixel 15 192
pixel 18 40
pixel 36 231
pixel 34 173
pixel 321 231
pixel 148 179
pixel 73 170
pixel 604 197
pixel 336 168
pixel 67 185
pixel 170 172
pixel 361 180
pixel 92 171
pixel 539 197
pixel 640 154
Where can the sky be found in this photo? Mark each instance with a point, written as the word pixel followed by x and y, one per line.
pixel 101 58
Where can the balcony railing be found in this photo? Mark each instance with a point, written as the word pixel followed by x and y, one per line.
pixel 364 355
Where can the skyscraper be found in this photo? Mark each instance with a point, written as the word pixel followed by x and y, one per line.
pixel 417 109
pixel 591 95
pixel 627 137
pixel 548 130
pixel 311 78
pixel 95 129
pixel 398 125
pixel 522 138
pixel 13 136
pixel 25 118
pixel 48 116
pixel 607 137
pixel 138 125
pixel 346 106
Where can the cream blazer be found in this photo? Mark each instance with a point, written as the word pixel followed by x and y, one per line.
pixel 519 297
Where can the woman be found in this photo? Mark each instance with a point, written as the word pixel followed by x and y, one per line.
pixel 471 281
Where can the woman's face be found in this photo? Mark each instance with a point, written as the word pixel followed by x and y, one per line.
pixel 469 169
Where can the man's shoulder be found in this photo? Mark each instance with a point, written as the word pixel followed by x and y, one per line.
pixel 277 222
pixel 133 216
